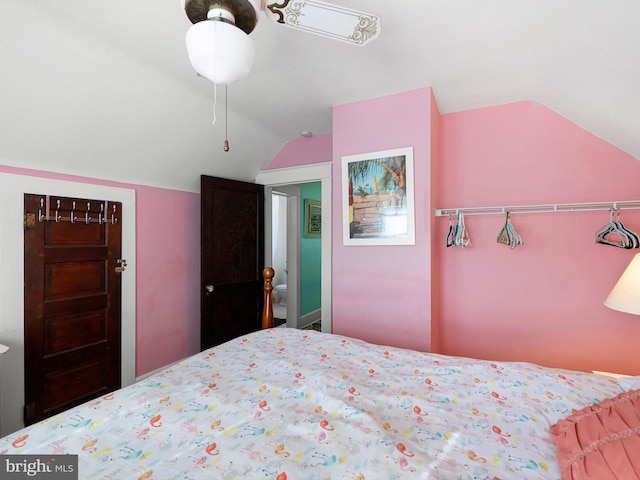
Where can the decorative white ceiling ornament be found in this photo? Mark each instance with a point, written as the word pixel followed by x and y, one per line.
pixel 327 20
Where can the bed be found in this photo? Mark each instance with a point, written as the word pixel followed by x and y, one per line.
pixel 293 404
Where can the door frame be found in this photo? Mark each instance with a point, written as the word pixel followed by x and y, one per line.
pixel 317 172
pixel 12 190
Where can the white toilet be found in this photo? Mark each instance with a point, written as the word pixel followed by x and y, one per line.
pixel 282 292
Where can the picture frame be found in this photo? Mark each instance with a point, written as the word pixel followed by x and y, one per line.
pixel 378 198
pixel 312 218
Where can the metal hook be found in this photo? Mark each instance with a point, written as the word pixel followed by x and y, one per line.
pixel 58 217
pixel 40 215
pixel 87 218
pixel 72 215
pixel 612 213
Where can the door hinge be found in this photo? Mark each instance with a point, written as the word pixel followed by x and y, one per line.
pixel 29 220
pixel 122 265
pixel 29 412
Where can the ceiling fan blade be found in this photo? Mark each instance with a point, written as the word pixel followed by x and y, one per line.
pixel 325 19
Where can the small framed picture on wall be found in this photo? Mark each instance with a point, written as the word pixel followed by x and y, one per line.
pixel 312 218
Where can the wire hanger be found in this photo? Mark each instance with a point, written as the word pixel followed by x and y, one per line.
pixel 508 235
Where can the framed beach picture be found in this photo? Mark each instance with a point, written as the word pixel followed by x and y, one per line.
pixel 378 198
pixel 312 218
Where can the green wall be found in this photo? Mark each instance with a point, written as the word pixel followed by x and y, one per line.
pixel 310 298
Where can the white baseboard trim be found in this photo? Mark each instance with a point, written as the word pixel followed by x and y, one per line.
pixel 310 318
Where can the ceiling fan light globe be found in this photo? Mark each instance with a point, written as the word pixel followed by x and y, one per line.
pixel 219 51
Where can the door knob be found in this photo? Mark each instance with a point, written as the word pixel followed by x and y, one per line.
pixel 209 289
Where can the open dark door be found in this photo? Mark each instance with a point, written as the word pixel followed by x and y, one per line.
pixel 232 259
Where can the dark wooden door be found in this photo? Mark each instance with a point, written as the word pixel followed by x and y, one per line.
pixel 232 257
pixel 72 302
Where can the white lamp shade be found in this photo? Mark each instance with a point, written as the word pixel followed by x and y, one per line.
pixel 219 51
pixel 625 295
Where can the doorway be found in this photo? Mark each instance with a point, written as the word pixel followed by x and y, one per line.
pixel 296 255
pixel 278 178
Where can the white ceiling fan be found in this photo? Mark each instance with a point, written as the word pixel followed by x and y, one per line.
pixel 218 44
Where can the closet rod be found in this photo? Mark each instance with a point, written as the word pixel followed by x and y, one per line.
pixel 557 207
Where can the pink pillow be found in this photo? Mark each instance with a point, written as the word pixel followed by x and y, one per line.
pixel 601 441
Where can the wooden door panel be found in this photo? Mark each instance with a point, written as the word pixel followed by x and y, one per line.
pixel 227 326
pixel 233 311
pixel 65 385
pixel 66 233
pixel 53 255
pixel 234 253
pixel 72 304
pixel 74 280
pixel 67 332
pixel 232 257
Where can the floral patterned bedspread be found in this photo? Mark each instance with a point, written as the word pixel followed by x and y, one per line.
pixel 297 404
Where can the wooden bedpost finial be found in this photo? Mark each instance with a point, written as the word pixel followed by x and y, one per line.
pixel 267 310
pixel 268 274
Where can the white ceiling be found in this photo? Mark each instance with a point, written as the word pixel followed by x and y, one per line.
pixel 105 89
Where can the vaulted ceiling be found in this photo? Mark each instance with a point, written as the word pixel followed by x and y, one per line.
pixel 104 89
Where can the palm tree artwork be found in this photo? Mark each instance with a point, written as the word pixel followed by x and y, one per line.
pixel 378 197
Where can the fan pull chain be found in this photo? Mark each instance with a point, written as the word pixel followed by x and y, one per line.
pixel 226 119
pixel 226 113
pixel 215 100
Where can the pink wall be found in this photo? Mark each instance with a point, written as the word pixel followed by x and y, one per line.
pixel 541 302
pixel 168 270
pixel 168 276
pixel 373 285
pixel 304 151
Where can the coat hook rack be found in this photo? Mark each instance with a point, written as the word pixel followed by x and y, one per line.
pixel 43 213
